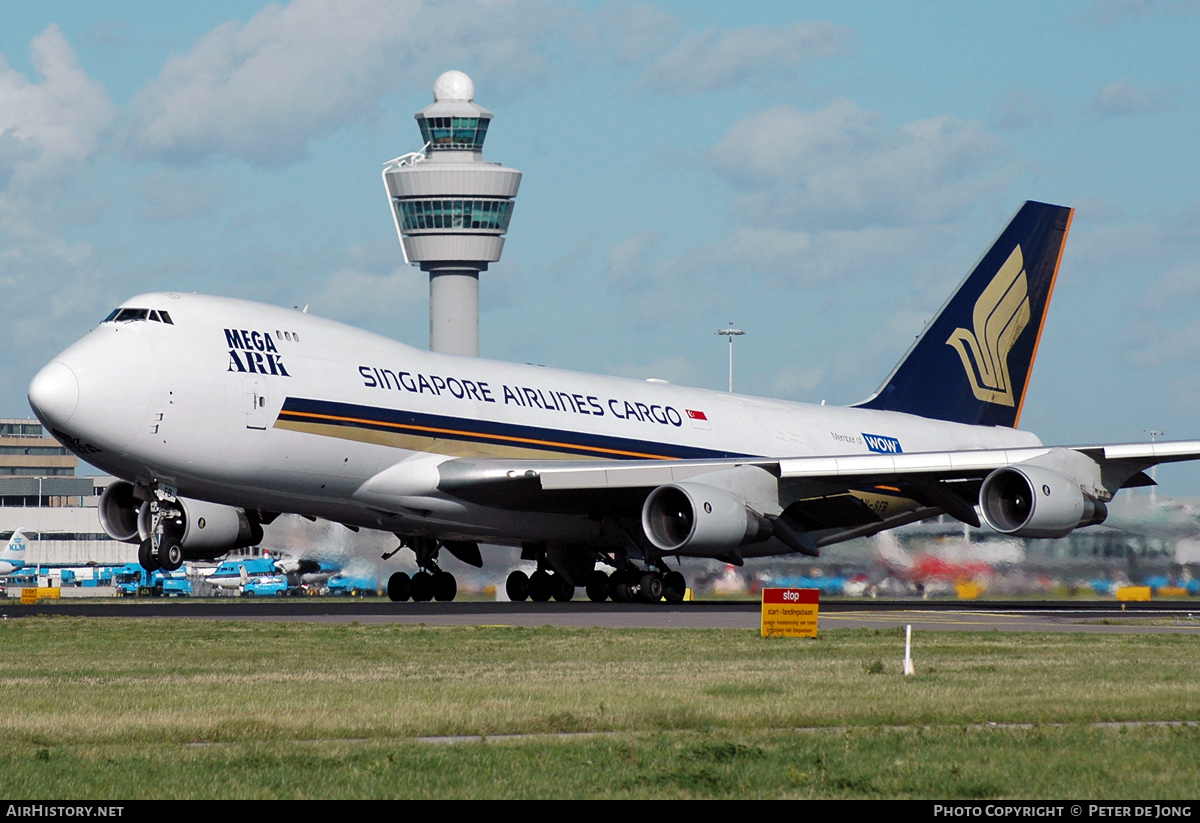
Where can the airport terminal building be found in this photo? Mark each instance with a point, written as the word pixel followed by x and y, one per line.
pixel 41 494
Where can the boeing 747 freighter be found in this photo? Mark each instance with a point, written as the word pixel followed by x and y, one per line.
pixel 220 414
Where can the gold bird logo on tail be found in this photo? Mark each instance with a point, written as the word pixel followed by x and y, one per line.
pixel 1001 314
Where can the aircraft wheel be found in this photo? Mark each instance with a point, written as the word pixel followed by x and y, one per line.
pixel 618 589
pixel 517 586
pixel 541 586
pixel 445 587
pixel 597 586
pixel 146 555
pixel 422 587
pixel 170 555
pixel 563 591
pixel 399 587
pixel 674 587
pixel 651 588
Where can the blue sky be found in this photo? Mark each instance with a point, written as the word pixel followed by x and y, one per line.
pixel 821 174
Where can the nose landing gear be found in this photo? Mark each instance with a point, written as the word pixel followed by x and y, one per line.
pixel 163 549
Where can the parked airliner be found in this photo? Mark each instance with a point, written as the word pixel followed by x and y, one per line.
pixel 13 556
pixel 220 414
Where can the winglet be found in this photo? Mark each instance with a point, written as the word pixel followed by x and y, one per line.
pixel 972 363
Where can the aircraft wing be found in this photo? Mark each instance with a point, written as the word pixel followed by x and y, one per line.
pixel 825 494
pixel 467 477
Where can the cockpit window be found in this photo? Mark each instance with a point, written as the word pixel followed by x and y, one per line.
pixel 128 315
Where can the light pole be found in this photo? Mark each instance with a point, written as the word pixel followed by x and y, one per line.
pixel 730 332
pixel 1153 469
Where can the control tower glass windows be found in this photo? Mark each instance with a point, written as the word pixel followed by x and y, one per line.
pixel 453 133
pixel 423 215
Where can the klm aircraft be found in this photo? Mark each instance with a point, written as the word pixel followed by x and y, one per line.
pixel 220 414
pixel 13 556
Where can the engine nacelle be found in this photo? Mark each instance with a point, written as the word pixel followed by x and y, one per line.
pixel 700 519
pixel 205 530
pixel 119 512
pixel 1029 501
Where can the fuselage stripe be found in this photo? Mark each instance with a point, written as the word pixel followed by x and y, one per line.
pixel 289 415
pixel 320 412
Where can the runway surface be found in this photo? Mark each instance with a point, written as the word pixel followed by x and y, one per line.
pixel 1061 616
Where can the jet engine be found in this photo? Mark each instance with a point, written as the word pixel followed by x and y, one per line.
pixel 1029 501
pixel 701 519
pixel 204 530
pixel 119 512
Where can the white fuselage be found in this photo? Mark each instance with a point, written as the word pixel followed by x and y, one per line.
pixel 299 424
pixel 12 558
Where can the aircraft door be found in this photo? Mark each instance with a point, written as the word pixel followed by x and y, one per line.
pixel 256 403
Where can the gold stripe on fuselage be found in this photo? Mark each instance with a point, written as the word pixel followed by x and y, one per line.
pixel 424 438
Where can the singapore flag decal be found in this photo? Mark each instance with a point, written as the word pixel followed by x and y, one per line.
pixel 699 419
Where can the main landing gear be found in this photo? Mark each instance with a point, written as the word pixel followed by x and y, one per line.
pixel 538 587
pixel 423 586
pixel 634 585
pixel 627 585
pixel 429 583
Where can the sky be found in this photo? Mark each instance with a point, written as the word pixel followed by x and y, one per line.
pixel 819 174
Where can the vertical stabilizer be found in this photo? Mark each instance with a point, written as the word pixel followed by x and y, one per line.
pixel 972 363
pixel 13 556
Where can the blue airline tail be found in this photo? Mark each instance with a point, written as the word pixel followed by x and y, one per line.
pixel 972 363
pixel 13 555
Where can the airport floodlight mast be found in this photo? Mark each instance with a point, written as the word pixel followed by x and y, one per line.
pixel 730 332
pixel 1153 469
pixel 451 209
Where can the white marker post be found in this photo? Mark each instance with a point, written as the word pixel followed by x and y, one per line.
pixel 908 664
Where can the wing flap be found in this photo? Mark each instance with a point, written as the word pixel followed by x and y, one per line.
pixel 1169 451
pixel 884 467
pixel 635 475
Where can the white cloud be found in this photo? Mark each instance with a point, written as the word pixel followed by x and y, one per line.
pixel 636 31
pixel 49 128
pixel 1017 111
pixel 843 167
pixel 58 121
pixel 377 300
pixel 626 263
pixel 1104 14
pixel 713 59
pixel 790 380
pixel 1179 285
pixel 259 91
pixel 1124 98
pixel 673 369
pixel 169 195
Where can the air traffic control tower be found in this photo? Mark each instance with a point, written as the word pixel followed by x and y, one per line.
pixel 452 209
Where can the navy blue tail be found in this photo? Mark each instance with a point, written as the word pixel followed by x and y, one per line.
pixel 972 363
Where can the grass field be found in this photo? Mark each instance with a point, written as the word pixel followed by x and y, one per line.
pixel 125 709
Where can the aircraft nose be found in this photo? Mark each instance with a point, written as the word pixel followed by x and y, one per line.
pixel 54 393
